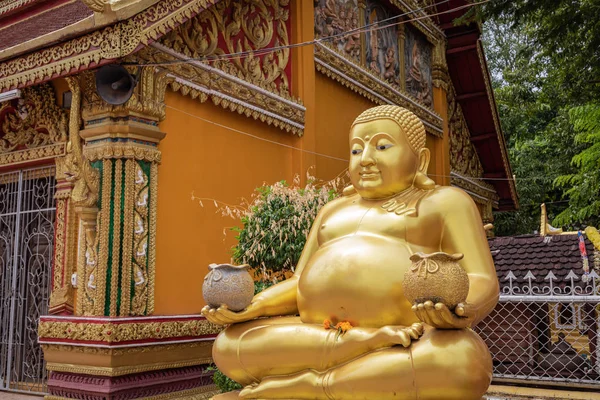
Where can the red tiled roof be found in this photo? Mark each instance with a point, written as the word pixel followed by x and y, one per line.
pixel 540 255
pixel 43 22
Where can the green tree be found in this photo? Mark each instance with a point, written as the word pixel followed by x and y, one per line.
pixel 543 55
pixel 583 186
pixel 533 120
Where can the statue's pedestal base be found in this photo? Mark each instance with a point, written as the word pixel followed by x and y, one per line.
pixel 102 358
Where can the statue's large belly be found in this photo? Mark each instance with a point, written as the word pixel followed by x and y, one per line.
pixel 357 279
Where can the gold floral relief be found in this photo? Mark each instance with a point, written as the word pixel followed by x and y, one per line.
pixel 110 332
pixel 463 156
pixel 60 240
pixel 127 248
pixel 240 26
pixel 201 81
pixel 111 42
pixel 140 242
pixel 32 121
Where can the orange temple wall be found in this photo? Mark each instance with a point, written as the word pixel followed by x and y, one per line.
pixel 217 163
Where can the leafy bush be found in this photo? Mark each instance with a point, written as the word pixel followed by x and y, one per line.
pixel 276 223
pixel 224 383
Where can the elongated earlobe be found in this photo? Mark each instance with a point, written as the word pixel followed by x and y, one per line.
pixel 422 181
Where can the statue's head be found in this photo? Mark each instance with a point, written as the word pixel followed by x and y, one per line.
pixel 388 153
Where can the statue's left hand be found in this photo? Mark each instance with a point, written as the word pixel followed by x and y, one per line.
pixel 224 316
pixel 441 317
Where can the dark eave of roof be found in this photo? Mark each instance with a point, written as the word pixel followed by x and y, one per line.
pixel 470 76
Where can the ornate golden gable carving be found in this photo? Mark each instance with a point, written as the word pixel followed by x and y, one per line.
pixel 32 127
pixel 34 120
pixel 111 42
pixel 240 26
pixel 463 156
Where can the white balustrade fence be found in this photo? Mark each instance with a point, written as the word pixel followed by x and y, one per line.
pixel 545 329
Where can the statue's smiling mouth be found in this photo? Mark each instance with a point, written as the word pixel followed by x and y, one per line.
pixel 369 174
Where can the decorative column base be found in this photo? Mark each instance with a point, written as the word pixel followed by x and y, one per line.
pixel 108 358
pixel 171 383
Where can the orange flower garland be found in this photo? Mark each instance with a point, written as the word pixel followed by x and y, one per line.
pixel 341 327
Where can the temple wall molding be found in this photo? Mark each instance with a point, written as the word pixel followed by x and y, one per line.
pixel 256 85
pixel 203 82
pixel 101 46
pixel 345 71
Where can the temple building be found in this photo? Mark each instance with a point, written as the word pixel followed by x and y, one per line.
pixel 548 321
pixel 103 251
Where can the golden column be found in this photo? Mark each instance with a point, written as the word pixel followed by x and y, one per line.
pixel 116 263
pixel 106 200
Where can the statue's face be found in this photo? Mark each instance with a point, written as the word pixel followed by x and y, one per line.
pixel 382 163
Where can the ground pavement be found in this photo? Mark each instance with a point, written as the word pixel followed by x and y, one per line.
pixel 496 393
pixel 18 396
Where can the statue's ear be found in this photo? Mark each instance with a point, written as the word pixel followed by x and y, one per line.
pixel 424 158
pixel 422 181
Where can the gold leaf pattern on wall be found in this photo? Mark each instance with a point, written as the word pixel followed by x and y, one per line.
pixel 34 120
pixel 240 26
pixel 463 156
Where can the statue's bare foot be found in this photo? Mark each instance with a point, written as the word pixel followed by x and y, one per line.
pixel 301 385
pixel 401 335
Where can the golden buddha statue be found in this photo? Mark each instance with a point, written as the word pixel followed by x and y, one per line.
pixel 351 270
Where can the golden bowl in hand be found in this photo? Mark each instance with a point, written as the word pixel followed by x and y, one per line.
pixel 437 277
pixel 228 285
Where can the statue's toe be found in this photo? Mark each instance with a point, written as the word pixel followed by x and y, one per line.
pixel 249 391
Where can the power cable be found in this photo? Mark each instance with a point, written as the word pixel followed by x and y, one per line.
pixel 362 29
pixel 338 158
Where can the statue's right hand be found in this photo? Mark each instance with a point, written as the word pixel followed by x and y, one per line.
pixel 402 335
pixel 224 316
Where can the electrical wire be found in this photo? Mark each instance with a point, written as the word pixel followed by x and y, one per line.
pixel 338 158
pixel 367 28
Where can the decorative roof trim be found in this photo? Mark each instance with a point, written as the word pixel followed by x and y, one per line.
pixel 363 82
pixel 426 25
pixel 49 152
pixel 101 46
pixel 202 81
pixel 481 190
pixel 7 6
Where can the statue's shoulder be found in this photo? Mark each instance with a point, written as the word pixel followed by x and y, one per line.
pixel 349 191
pixel 451 192
pixel 339 202
pixel 445 199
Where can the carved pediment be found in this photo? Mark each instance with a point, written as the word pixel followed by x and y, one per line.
pixel 32 127
pixel 240 27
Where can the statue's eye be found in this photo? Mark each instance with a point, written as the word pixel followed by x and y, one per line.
pixel 356 151
pixel 384 146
